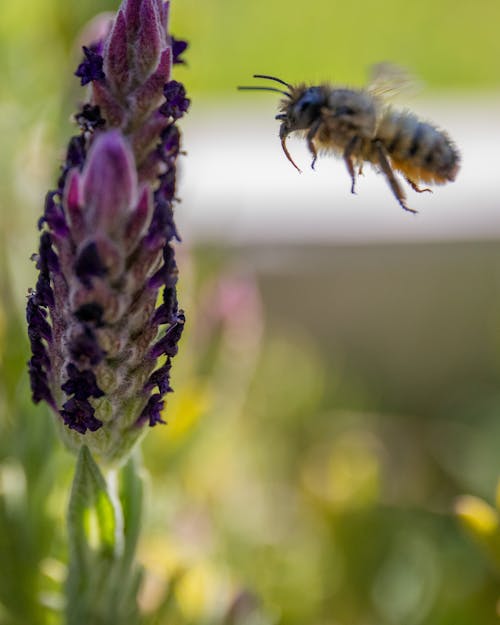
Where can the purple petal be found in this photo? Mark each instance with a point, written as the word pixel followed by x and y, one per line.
pixel 79 415
pixel 164 13
pixel 81 384
pixel 139 218
pixel 109 183
pixel 44 295
pixel 75 157
pixel 89 264
pixel 167 274
pixel 90 313
pixel 149 41
pixel 161 379
pixel 168 344
pixel 37 324
pixel 178 47
pixel 149 94
pixel 39 384
pixel 176 102
pixel 54 215
pixel 85 346
pixel 170 142
pixel 111 109
pixel 47 258
pixel 89 118
pixel 152 411
pixel 90 69
pixel 40 358
pixel 132 10
pixel 116 63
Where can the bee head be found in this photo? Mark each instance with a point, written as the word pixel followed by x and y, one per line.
pixel 302 111
pixel 351 112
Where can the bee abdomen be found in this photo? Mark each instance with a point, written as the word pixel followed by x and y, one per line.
pixel 418 149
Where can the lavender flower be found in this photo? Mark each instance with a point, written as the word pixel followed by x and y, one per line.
pixel 103 320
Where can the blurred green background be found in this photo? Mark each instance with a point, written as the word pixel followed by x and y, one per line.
pixel 331 402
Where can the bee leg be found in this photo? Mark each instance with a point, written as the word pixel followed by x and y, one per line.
pixel 350 148
pixel 415 187
pixel 310 141
pixel 288 155
pixel 391 178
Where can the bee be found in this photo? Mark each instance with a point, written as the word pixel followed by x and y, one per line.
pixel 361 127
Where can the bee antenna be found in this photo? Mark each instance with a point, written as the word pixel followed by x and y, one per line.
pixel 245 88
pixel 273 78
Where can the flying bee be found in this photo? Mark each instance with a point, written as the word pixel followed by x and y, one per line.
pixel 359 126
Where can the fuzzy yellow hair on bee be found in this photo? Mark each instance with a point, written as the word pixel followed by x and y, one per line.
pixel 359 126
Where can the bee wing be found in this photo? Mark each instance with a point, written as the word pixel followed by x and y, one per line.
pixel 388 80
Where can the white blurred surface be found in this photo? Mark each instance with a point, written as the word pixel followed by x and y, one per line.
pixel 237 186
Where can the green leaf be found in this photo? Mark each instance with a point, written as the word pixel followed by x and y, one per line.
pixel 125 579
pixel 131 497
pixel 91 515
pixel 104 521
pixel 92 543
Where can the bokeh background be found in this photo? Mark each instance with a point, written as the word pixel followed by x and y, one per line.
pixel 338 385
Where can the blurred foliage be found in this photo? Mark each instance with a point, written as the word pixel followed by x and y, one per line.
pixel 285 489
pixel 482 521
pixel 447 44
pixel 268 501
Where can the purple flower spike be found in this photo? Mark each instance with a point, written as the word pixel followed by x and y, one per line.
pixel 104 321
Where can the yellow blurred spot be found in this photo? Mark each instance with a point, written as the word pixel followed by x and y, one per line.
pixel 12 481
pixel 497 498
pixel 183 410
pixel 159 554
pixel 163 565
pixel 55 601
pixel 54 569
pixel 348 473
pixel 477 516
pixel 152 592
pixel 197 592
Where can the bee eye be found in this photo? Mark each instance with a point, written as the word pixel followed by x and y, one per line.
pixel 345 110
